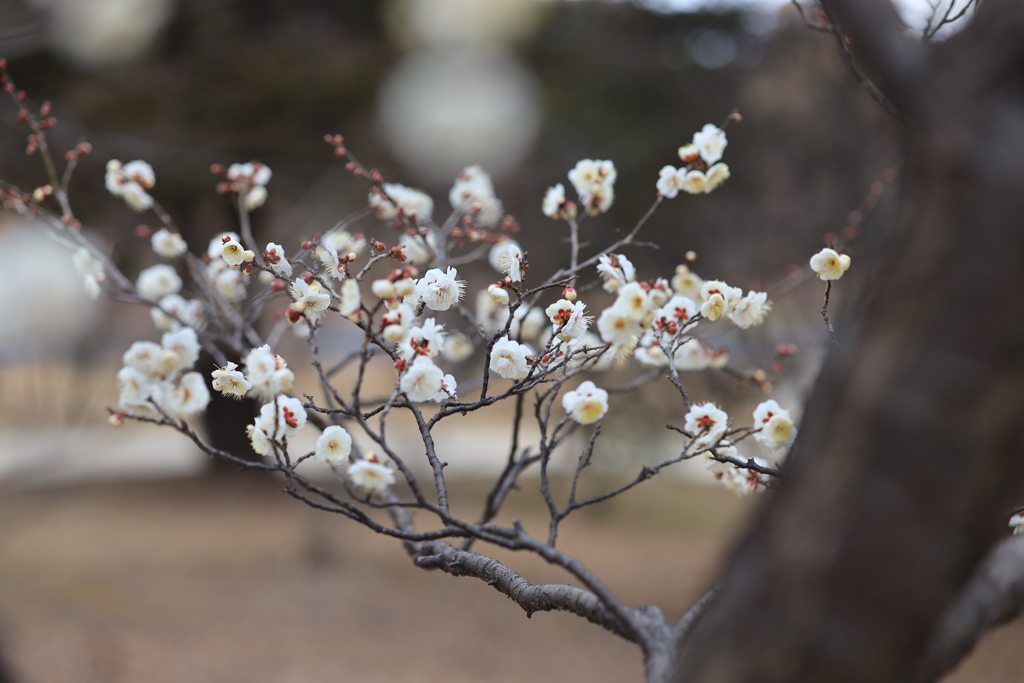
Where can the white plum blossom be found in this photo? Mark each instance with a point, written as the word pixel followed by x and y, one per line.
pixel 710 142
pixel 687 283
pixel 491 315
pixel 90 269
pixel 397 321
pixel 660 292
pixel 426 339
pixel 509 359
pixel 587 404
pixel 670 181
pixel 274 255
pixel 188 398
pixel 718 299
pixel 717 467
pixel 230 381
pixel 279 421
pixel 439 289
pixel 384 289
pixel 649 352
pixel 775 427
pixel 313 300
pixel 405 287
pixel 555 205
pixel 151 359
pixel 1017 523
pixel 135 388
pixel 578 351
pixel 417 206
pixel 332 263
pixel 715 176
pixel 742 481
pixel 689 153
pixel 634 301
pixel 594 181
pixel 260 441
pixel 168 244
pixel 499 294
pixel 230 284
pixel 158 281
pixel 473 195
pixel 371 475
pixel 260 363
pixel 449 390
pixel 618 327
pixel 350 299
pixel 216 246
pixel 830 265
pixel 694 182
pixel 567 319
pixel 130 182
pixel 86 264
pixel 333 446
pixel 717 358
pixel 422 380
pixel 457 347
pixel 267 373
pixel 233 253
pixel 531 322
pixel 343 242
pixel 691 355
pixel 290 418
pixel 507 257
pixel 675 315
pixel 92 287
pixel 185 344
pixel 616 270
pixel 419 249
pixel 250 179
pixel 707 422
pixel 256 197
pixel 253 172
pixel 751 310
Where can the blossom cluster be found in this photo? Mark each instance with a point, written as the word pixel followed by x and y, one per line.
pixel 527 336
pixel 709 427
pixel 153 382
pixel 130 182
pixel 250 180
pixel 702 172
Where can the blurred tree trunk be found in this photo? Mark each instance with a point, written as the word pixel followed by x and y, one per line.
pixel 225 420
pixel 911 454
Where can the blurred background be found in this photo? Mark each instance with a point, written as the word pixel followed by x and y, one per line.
pixel 124 556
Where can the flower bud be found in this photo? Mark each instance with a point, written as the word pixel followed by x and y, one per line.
pixel 498 294
pixel 405 287
pixel 385 289
pixel 394 333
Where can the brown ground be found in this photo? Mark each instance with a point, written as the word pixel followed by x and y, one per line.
pixel 230 581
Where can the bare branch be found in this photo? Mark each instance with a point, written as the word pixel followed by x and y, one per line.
pixel 543 598
pixel 994 595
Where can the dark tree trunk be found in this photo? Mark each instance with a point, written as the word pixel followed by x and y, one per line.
pixel 911 454
pixel 225 420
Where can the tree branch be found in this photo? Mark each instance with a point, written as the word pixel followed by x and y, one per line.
pixel 543 598
pixel 894 68
pixel 994 596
